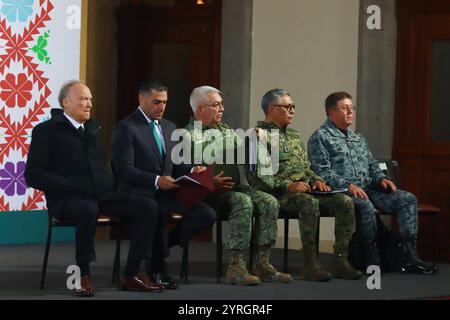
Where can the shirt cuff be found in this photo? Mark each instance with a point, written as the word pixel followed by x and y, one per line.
pixel 156 182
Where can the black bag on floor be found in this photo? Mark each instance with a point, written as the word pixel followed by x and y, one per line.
pixel 389 250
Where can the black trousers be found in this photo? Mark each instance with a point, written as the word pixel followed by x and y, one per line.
pixel 142 213
pixel 196 219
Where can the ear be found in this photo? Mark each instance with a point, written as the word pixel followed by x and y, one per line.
pixel 331 113
pixel 65 102
pixel 141 99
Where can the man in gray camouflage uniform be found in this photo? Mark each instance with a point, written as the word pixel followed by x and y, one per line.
pixel 240 202
pixel 292 186
pixel 343 158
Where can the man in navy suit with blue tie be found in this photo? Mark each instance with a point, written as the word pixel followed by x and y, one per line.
pixel 141 154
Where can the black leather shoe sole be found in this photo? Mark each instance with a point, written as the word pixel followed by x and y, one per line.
pixel 84 294
pixel 170 286
pixel 419 270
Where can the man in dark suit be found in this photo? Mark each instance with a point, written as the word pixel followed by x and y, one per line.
pixel 141 154
pixel 65 162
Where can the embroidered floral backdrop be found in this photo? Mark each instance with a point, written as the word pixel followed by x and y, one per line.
pixel 39 50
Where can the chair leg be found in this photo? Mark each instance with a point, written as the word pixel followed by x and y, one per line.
pixel 286 245
pixel 252 242
pixel 219 250
pixel 47 251
pixel 318 237
pixel 184 264
pixel 116 267
pixel 118 263
pixel 434 239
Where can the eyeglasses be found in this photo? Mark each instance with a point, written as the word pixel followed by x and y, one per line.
pixel 347 108
pixel 215 105
pixel 158 102
pixel 287 108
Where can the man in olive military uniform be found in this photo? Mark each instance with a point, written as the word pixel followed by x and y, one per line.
pixel 292 186
pixel 233 197
pixel 343 158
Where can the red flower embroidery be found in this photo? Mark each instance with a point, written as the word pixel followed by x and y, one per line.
pixel 16 93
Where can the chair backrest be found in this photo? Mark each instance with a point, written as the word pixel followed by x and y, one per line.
pixel 391 169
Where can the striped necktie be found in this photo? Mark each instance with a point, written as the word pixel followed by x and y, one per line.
pixel 157 138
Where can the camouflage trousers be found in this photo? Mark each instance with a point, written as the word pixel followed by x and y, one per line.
pixel 239 206
pixel 307 208
pixel 401 203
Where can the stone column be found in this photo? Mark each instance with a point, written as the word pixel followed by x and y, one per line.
pixel 376 78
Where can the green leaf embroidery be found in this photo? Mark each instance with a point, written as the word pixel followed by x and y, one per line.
pixel 39 48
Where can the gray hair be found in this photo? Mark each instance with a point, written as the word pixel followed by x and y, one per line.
pixel 64 91
pixel 198 96
pixel 272 97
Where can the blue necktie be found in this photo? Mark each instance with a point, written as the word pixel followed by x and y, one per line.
pixel 157 138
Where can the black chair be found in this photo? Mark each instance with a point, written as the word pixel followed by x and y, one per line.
pixel 286 216
pixel 173 219
pixel 102 221
pixel 392 170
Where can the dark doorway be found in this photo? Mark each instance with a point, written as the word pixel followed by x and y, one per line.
pixel 178 44
pixel 422 133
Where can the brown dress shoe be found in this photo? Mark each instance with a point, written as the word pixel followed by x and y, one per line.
pixel 148 281
pixel 140 282
pixel 87 290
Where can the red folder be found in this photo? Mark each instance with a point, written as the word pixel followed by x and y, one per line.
pixel 195 187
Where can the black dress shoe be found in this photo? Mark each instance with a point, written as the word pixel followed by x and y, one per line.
pixel 419 268
pixel 411 263
pixel 165 279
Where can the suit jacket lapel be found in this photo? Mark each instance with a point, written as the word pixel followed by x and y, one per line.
pixel 144 126
pixel 167 142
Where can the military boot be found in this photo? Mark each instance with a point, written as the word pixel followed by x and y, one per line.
pixel 341 268
pixel 237 272
pixel 267 272
pixel 312 270
pixel 410 262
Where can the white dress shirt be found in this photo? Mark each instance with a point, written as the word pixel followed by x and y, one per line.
pixel 75 123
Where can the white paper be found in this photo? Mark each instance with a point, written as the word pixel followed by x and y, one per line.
pixel 186 178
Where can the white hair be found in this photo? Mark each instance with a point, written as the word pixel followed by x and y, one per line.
pixel 198 96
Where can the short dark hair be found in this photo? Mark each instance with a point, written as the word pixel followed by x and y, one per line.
pixel 148 85
pixel 332 100
pixel 272 96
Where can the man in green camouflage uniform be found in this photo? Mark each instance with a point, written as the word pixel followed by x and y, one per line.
pixel 293 183
pixel 233 198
